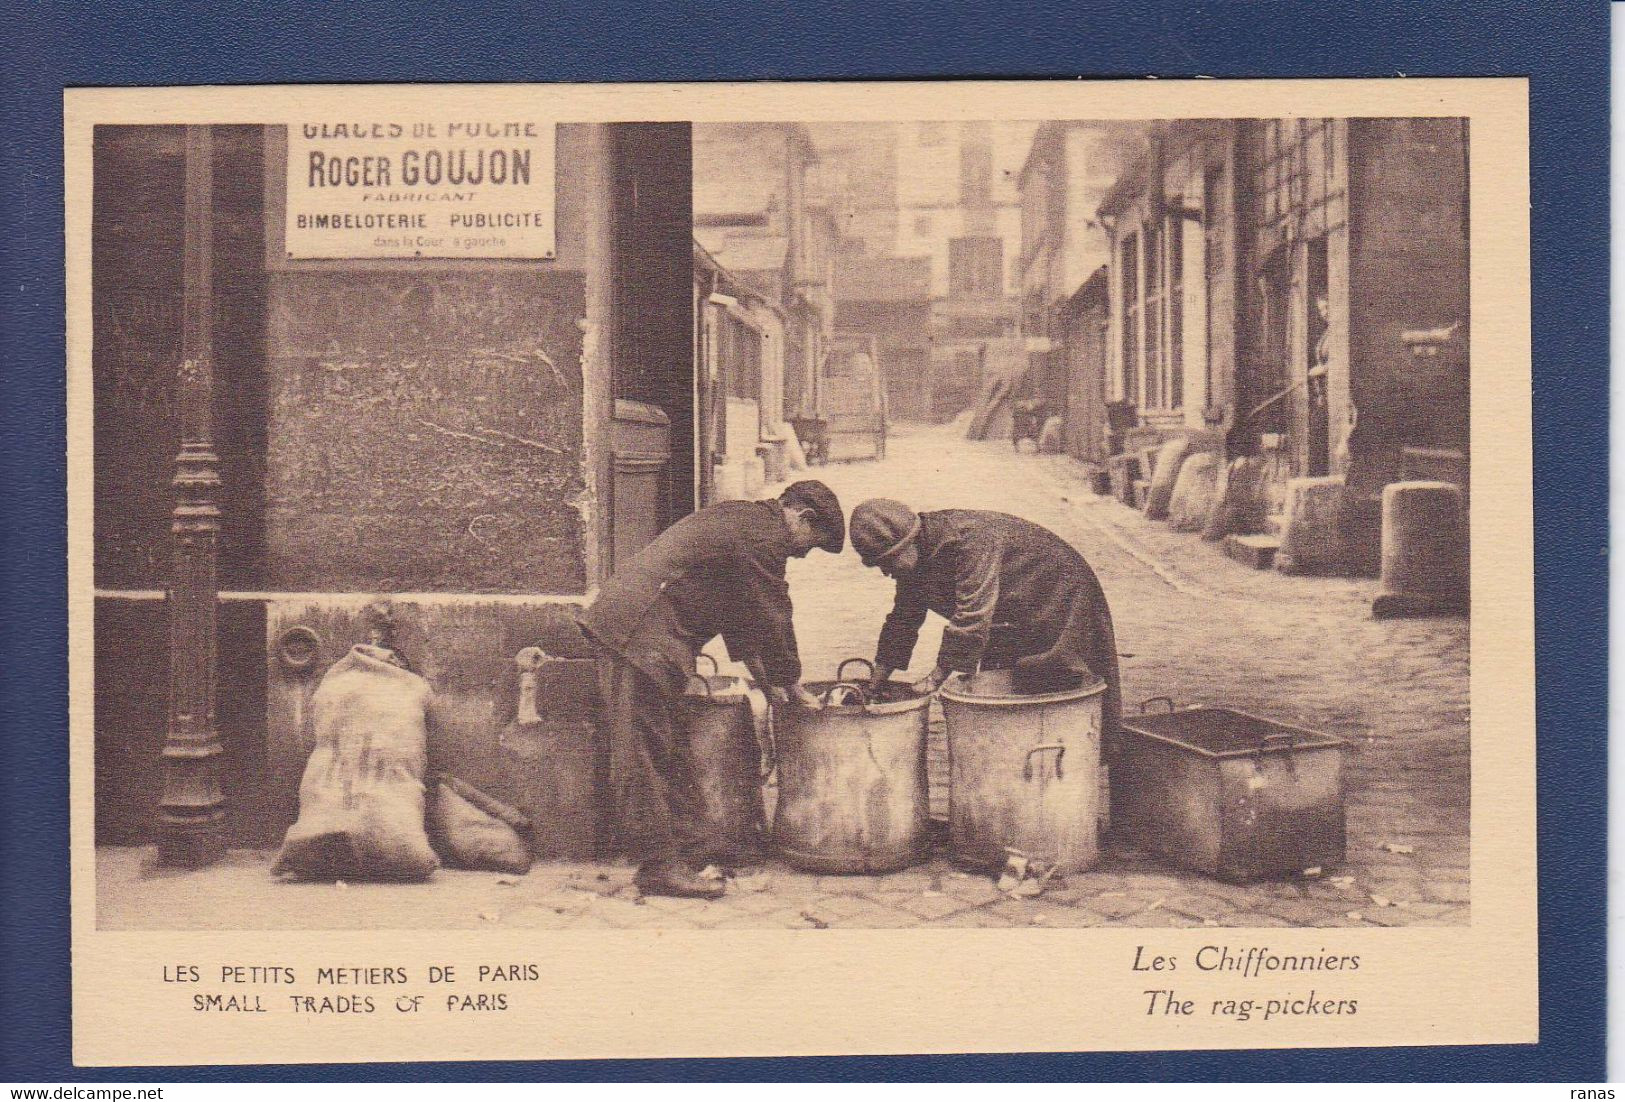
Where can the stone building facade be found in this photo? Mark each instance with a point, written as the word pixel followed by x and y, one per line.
pixel 447 455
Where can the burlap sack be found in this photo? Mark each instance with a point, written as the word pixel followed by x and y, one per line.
pixel 471 830
pixel 361 798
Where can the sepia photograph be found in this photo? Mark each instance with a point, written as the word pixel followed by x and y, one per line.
pixel 984 524
pixel 498 531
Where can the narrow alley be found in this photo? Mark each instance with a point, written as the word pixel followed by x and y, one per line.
pixel 1191 624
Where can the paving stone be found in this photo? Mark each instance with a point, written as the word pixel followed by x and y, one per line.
pixel 872 916
pixel 1113 906
pixel 1161 919
pixel 932 906
pixel 538 918
pixel 1433 910
pixel 568 901
pixel 1388 916
pixel 973 889
pixel 1330 893
pixel 756 903
pixel 909 880
pixel 1296 912
pixel 889 898
pixel 741 922
pixel 973 918
pixel 1446 891
pixel 849 885
pixel 1094 883
pixel 1257 918
pixel 1198 906
pixel 689 908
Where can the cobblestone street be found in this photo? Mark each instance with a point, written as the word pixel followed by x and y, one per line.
pixel 1190 623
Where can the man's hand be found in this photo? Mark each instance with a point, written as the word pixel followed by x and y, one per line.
pixel 931 682
pixel 882 675
pixel 802 697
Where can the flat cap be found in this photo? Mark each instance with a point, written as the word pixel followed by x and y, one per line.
pixel 826 507
pixel 882 527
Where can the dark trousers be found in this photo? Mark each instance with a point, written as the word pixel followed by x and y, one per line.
pixel 654 798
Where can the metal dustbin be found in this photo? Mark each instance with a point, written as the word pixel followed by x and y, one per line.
pixel 1229 794
pixel 726 762
pixel 852 793
pixel 1024 771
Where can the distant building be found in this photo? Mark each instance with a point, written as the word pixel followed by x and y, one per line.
pixel 1068 171
pixel 858 163
pixel 759 213
pixel 942 196
pixel 889 298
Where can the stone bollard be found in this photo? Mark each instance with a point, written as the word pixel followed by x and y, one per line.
pixel 1193 496
pixel 1424 550
pixel 1311 535
pixel 1163 476
pixel 1238 507
pixel 1049 437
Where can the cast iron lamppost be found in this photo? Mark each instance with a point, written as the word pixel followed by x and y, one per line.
pixel 192 812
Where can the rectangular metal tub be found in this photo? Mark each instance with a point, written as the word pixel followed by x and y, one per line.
pixel 1230 794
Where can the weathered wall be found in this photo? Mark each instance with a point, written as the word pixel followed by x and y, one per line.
pixel 1407 270
pixel 425 432
pixel 132 715
pixel 465 648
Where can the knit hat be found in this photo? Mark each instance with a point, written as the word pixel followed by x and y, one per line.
pixel 827 516
pixel 882 527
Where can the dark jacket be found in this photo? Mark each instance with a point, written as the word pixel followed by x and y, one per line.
pixel 719 571
pixel 1014 595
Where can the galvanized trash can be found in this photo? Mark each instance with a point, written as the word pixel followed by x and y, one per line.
pixel 725 760
pixel 1229 794
pixel 1024 772
pixel 852 783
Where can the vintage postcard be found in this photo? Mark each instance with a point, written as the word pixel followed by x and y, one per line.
pixel 773 569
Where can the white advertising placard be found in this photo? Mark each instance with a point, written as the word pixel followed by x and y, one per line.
pixel 440 187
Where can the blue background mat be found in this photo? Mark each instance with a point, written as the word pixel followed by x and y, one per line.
pixel 1562 45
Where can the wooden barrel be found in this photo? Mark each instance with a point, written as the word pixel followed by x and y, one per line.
pixel 853 796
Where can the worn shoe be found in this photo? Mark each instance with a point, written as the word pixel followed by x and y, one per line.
pixel 675 879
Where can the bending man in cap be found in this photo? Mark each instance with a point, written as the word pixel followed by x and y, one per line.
pixel 719 571
pixel 1016 596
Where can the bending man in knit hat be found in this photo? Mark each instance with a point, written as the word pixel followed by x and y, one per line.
pixel 1016 596
pixel 719 571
